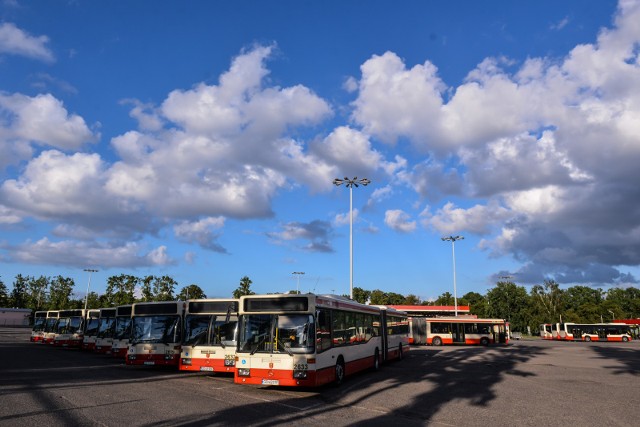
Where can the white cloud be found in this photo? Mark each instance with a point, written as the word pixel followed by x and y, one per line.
pixel 15 41
pixel 315 233
pixel 201 232
pixel 399 220
pixel 478 219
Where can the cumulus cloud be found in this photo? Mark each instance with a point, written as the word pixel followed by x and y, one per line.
pixel 399 220
pixel 15 41
pixel 316 234
pixel 201 232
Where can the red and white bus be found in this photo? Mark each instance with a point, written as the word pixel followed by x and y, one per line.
pixel 310 340
pixel 39 321
pixel 49 330
pixel 156 334
pixel 122 332
pixel 455 330
pixel 106 329
pixel 593 332
pixel 210 335
pixel 91 329
pixel 69 328
pixel 546 331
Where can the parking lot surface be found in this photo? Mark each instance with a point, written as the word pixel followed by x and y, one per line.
pixel 526 383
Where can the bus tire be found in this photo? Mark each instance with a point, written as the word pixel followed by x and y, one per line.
pixel 587 338
pixel 437 341
pixel 376 360
pixel 625 339
pixel 484 341
pixel 339 371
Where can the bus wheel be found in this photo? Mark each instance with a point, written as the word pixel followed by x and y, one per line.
pixel 625 339
pixel 339 371
pixel 484 341
pixel 436 341
pixel 376 360
pixel 587 338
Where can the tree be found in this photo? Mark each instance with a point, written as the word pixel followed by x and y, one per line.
pixel 191 292
pixel 378 297
pixel 411 300
pixel 37 292
pixel 147 293
pixel 477 303
pixel 244 288
pixel 18 297
pixel 60 291
pixel 445 299
pixel 548 301
pixel 163 288
pixel 511 302
pixel 360 295
pixel 4 296
pixel 121 290
pixel 93 301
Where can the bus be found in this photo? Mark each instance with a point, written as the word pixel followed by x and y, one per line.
pixel 593 332
pixel 310 340
pixel 396 335
pixel 469 331
pixel 546 331
pixel 48 332
pixel 69 328
pixel 210 335
pixel 156 333
pixel 39 321
pixel 122 332
pixel 91 329
pixel 106 329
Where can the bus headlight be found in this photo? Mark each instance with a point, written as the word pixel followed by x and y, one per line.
pixel 186 362
pixel 244 372
pixel 300 375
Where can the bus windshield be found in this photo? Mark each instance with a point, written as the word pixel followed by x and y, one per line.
pixel 106 328
pixel 210 330
pixel 92 327
pixel 156 329
pixel 50 324
pixel 75 324
pixel 123 328
pixel 61 326
pixel 269 333
pixel 38 324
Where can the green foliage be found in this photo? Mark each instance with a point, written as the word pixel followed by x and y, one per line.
pixel 121 290
pixel 244 288
pixel 18 298
pixel 191 292
pixel 360 295
pixel 4 295
pixel 60 290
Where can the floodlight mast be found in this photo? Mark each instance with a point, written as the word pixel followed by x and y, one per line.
pixel 86 298
pixel 453 240
pixel 350 183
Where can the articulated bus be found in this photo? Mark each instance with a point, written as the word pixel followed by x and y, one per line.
pixel 592 332
pixel 156 334
pixel 546 331
pixel 122 332
pixel 49 330
pixel 69 328
pixel 455 330
pixel 39 321
pixel 210 335
pixel 91 329
pixel 310 340
pixel 106 329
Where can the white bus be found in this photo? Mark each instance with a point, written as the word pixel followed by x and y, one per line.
pixel 210 335
pixel 546 331
pixel 39 321
pixel 49 330
pixel 156 333
pixel 106 329
pixel 309 340
pixel 122 332
pixel 69 329
pixel 593 332
pixel 469 331
pixel 91 329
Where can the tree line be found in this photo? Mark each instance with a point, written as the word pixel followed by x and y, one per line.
pixel 545 303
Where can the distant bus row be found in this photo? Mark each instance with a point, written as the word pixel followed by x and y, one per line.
pixel 586 331
pixel 287 340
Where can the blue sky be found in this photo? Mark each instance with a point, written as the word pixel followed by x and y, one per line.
pixel 200 140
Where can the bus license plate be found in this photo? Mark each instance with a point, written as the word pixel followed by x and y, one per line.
pixel 270 382
pixel 206 368
pixel 149 362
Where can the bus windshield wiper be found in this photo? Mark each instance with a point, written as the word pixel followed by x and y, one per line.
pixel 253 351
pixel 285 348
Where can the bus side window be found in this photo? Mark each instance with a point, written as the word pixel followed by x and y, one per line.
pixel 323 334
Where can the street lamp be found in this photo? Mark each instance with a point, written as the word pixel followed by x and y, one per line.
pixel 613 316
pixel 453 240
pixel 298 274
pixel 86 298
pixel 350 183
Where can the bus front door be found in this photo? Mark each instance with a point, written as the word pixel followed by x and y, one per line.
pixel 457 331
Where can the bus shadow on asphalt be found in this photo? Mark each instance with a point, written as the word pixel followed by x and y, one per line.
pixel 627 356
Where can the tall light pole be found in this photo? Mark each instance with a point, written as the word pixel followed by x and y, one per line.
pixel 350 183
pixel 453 240
pixel 298 274
pixel 86 298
